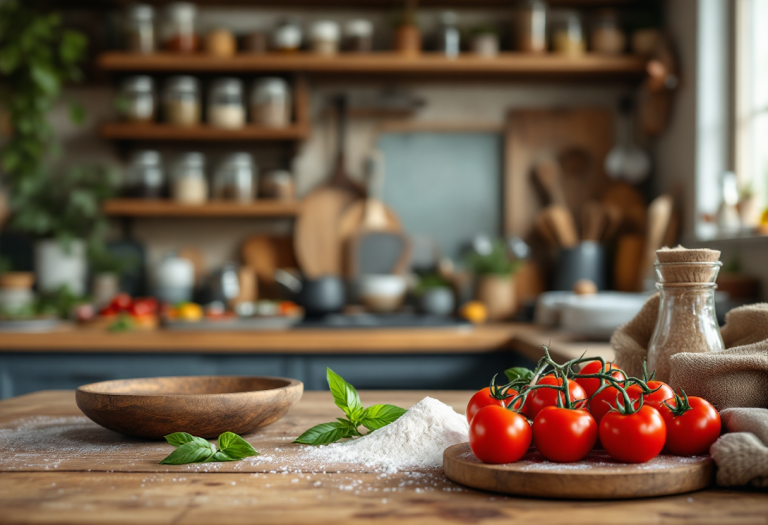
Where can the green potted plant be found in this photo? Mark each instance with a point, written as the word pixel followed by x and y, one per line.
pixel 495 283
pixel 434 295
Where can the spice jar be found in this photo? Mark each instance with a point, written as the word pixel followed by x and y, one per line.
pixel 485 43
pixel 136 101
pixel 256 42
pixel 225 104
pixel 287 35
pixel 235 178
pixel 448 36
pixel 358 35
pixel 568 34
pixel 181 101
pixel 607 35
pixel 531 27
pixel 324 36
pixel 179 29
pixel 277 184
pixel 140 29
pixel 271 103
pixel 145 178
pixel 189 185
pixel 686 321
pixel 220 43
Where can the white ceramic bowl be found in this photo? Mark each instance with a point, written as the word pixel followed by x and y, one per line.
pixel 381 292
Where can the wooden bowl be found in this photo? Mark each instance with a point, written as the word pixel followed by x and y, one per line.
pixel 203 406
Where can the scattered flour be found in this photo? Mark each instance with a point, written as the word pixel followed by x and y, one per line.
pixel 417 439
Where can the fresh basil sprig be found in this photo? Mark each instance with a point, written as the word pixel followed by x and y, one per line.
pixel 346 398
pixel 191 449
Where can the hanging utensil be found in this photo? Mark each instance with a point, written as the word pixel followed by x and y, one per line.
pixel 627 161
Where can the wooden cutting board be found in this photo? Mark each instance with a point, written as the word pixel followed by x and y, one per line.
pixel 596 477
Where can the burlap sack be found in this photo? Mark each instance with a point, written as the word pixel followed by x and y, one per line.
pixel 735 380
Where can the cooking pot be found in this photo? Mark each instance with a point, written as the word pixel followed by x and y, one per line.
pixel 324 295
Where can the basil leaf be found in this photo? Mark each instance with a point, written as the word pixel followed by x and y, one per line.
pixel 192 452
pixel 350 425
pixel 344 395
pixel 235 447
pixel 221 456
pixel 178 439
pixel 517 373
pixel 377 416
pixel 324 433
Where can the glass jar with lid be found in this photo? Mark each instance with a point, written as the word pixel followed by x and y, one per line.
pixel 531 27
pixel 277 184
pixel 145 178
pixel 136 101
pixel 179 33
pixel 287 35
pixel 449 37
pixel 235 178
pixel 271 102
pixel 140 29
pixel 181 101
pixel 568 34
pixel 225 104
pixel 607 36
pixel 358 35
pixel 188 184
pixel 325 36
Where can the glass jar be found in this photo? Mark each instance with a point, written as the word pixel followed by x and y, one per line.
pixel 531 27
pixel 568 34
pixel 607 36
pixel 448 36
pixel 145 178
pixel 225 104
pixel 288 35
pixel 686 321
pixel 256 42
pixel 136 101
pixel 325 36
pixel 271 103
pixel 179 33
pixel 181 101
pixel 358 36
pixel 235 178
pixel 277 184
pixel 220 43
pixel 140 29
pixel 189 185
pixel 485 43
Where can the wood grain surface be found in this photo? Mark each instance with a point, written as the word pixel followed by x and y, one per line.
pixel 595 477
pixel 178 495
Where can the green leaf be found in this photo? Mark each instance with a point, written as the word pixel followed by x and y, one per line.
pixel 518 373
pixel 76 113
pixel 193 452
pixel 235 446
pixel 377 416
pixel 221 456
pixel 344 395
pixel 45 79
pixel 324 433
pixel 178 439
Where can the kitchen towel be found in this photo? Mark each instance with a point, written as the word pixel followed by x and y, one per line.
pixel 735 380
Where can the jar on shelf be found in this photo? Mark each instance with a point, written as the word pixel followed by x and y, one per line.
pixel 278 185
pixel 235 178
pixel 485 43
pixel 256 42
pixel 220 42
pixel 140 29
pixel 181 101
pixel 145 178
pixel 225 104
pixel 136 101
pixel 568 34
pixel 531 27
pixel 179 29
pixel 324 37
pixel 189 185
pixel 358 35
pixel 607 36
pixel 449 36
pixel 271 103
pixel 288 35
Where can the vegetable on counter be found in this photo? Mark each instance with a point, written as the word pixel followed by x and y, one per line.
pixel 693 425
pixel 191 449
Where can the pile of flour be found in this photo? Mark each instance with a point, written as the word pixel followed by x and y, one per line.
pixel 417 439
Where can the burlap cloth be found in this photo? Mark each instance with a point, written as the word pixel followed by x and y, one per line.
pixel 734 380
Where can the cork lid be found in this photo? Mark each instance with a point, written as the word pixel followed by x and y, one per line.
pixel 681 254
pixel 681 265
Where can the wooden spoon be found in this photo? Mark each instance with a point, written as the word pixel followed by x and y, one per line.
pixel 593 221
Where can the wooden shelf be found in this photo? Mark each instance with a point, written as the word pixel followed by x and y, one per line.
pixel 165 208
pixel 159 131
pixel 380 63
pixel 357 4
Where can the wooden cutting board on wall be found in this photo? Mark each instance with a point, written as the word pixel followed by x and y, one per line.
pixel 579 139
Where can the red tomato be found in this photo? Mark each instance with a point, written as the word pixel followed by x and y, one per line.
pixel 482 399
pixel 694 431
pixel 601 404
pixel 633 438
pixel 498 435
pixel 143 306
pixel 108 311
pixel 590 386
pixel 121 302
pixel 542 398
pixel 654 399
pixel 564 435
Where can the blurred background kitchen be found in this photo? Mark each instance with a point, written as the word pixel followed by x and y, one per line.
pixel 416 194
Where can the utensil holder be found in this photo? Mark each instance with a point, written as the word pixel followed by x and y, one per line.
pixel 584 261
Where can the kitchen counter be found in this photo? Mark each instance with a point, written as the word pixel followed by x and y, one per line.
pixel 126 485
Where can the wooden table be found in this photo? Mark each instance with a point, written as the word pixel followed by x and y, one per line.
pixel 126 485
